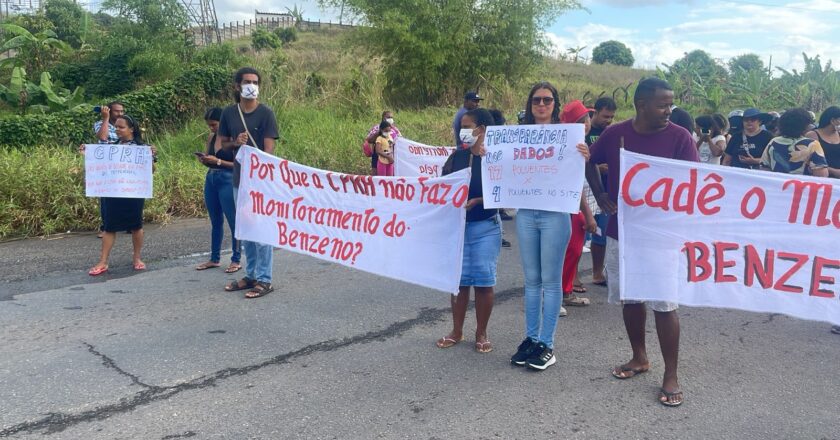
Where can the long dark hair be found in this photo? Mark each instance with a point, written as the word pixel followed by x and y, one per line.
pixel 827 115
pixel 135 128
pixel 555 114
pixel 237 79
pixel 482 117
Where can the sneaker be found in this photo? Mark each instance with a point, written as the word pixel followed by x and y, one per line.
pixel 542 357
pixel 523 352
pixel 505 243
pixel 835 329
pixel 563 312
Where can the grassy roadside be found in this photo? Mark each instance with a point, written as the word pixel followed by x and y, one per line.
pixel 326 94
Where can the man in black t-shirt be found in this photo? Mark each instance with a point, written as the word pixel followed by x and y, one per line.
pixel 603 116
pixel 260 131
pixel 744 149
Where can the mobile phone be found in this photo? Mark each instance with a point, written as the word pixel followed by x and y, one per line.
pixel 706 132
pixel 199 154
pixel 97 109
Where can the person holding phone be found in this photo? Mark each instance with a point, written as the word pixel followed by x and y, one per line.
pixel 218 195
pixel 745 149
pixel 710 135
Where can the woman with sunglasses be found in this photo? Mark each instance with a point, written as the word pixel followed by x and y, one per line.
pixel 543 237
pixel 122 214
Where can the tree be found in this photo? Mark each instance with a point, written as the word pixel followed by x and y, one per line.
pixel 152 19
pixel 613 52
pixel 263 39
pixel 32 51
pixel 748 62
pixel 429 49
pixel 70 20
pixel 700 63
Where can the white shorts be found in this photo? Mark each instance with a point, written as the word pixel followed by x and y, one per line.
pixel 614 288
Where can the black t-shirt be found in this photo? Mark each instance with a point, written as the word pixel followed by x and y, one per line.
pixel 756 145
pixel 225 155
pixel 261 122
pixel 832 152
pixel 594 134
pixel 459 160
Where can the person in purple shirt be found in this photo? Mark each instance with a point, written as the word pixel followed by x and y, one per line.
pixel 649 132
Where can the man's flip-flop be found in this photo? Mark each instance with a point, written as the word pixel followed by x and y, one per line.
pixel 600 283
pixel 579 289
pixel 446 342
pixel 668 399
pixel 207 265
pixel 621 372
pixel 234 267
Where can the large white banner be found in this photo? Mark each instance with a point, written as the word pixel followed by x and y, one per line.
pixel 123 171
pixel 413 159
pixel 533 167
pixel 410 229
pixel 706 235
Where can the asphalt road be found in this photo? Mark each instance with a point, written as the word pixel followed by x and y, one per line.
pixel 339 354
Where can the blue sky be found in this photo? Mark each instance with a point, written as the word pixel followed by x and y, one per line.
pixel 660 31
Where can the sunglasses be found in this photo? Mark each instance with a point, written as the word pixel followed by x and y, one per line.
pixel 545 100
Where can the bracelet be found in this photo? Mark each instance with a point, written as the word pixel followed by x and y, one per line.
pixel 218 162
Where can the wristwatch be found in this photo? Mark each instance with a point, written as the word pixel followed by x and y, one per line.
pixel 218 162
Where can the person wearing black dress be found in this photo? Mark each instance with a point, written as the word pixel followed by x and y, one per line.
pixel 122 214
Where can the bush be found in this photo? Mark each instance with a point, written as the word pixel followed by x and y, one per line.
pixel 286 34
pixel 219 55
pixel 613 52
pixel 165 105
pixel 154 65
pixel 263 39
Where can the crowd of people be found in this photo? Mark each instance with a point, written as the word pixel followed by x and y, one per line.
pixel 550 243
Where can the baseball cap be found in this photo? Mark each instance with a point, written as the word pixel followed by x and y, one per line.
pixel 472 96
pixel 573 111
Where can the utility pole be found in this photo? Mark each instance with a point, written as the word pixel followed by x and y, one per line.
pixel 202 15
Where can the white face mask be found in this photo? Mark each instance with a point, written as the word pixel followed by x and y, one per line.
pixel 466 136
pixel 390 121
pixel 250 91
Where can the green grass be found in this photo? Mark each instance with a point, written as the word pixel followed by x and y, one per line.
pixel 321 125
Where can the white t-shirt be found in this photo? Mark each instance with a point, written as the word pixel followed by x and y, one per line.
pixel 705 151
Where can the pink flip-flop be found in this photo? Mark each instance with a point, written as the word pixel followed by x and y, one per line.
pixel 94 271
pixel 140 266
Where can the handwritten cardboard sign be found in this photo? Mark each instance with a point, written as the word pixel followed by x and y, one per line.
pixel 413 159
pixel 705 235
pixel 410 229
pixel 533 167
pixel 122 171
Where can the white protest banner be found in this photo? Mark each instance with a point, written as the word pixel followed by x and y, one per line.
pixel 410 229
pixel 123 171
pixel 413 159
pixel 706 235
pixel 533 167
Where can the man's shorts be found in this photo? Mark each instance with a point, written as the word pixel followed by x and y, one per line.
pixel 614 288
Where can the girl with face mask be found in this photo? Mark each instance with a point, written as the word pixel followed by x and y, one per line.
pixel 482 236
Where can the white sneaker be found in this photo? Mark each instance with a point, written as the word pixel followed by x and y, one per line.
pixel 586 250
pixel 563 311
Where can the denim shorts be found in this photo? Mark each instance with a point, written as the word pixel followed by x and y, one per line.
pixel 602 220
pixel 482 244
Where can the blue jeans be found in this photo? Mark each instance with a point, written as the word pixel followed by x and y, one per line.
pixel 218 197
pixel 259 258
pixel 543 237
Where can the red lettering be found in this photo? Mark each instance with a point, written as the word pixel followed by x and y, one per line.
pixel 799 261
pixel 625 185
pixel 690 190
pixel 721 263
pixel 703 199
pixel 759 208
pixel 799 188
pixel 754 268
pixel 818 278
pixel 665 183
pixel 695 261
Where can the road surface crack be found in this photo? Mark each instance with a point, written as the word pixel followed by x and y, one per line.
pixel 57 422
pixel 110 364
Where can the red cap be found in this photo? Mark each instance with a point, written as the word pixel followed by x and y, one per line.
pixel 573 111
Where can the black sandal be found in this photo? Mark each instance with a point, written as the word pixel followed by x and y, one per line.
pixel 260 289
pixel 238 285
